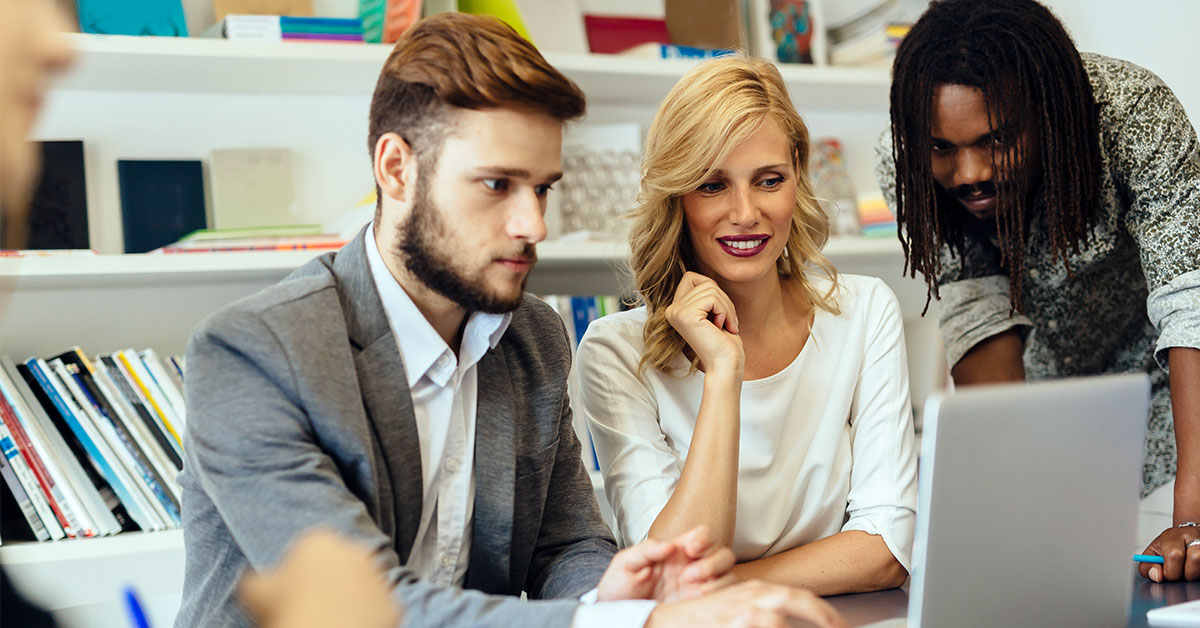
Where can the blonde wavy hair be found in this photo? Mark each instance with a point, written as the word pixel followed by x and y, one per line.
pixel 712 109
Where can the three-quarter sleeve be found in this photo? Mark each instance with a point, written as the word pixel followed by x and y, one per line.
pixel 883 477
pixel 640 469
pixel 1156 164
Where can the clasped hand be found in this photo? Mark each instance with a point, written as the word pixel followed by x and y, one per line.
pixel 705 317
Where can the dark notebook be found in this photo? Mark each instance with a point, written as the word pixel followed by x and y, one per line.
pixel 58 216
pixel 161 201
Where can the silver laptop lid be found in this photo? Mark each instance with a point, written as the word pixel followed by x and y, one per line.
pixel 1028 502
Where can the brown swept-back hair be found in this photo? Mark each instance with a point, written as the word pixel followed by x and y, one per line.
pixel 1023 60
pixel 458 60
pixel 712 109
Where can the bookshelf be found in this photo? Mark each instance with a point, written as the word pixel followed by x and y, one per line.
pixel 113 62
pixel 149 98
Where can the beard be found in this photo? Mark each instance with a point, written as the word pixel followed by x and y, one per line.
pixel 428 255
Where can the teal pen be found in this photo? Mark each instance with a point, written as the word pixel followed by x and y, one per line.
pixel 136 614
pixel 1148 558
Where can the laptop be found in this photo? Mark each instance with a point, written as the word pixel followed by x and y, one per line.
pixel 1028 504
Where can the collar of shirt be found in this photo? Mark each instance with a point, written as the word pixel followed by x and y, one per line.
pixel 421 348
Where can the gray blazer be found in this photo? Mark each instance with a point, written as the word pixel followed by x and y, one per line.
pixel 299 415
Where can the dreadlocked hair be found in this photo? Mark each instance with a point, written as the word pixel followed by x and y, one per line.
pixel 1018 54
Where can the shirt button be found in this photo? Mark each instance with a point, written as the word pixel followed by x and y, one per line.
pixel 1067 360
pixel 447 560
pixel 1052 324
pixel 443 360
pixel 1033 273
pixel 452 465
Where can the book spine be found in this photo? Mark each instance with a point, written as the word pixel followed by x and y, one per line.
pixel 8 463
pixel 34 459
pixel 119 475
pixel 120 441
pixel 150 448
pixel 59 397
pixel 125 386
pixel 174 396
pixel 322 37
pixel 343 22
pixel 78 490
pixel 141 379
pixel 117 518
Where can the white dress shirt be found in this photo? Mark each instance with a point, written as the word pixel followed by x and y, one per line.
pixel 444 397
pixel 825 445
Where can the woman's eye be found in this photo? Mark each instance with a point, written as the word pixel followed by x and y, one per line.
pixel 773 182
pixel 496 185
pixel 711 187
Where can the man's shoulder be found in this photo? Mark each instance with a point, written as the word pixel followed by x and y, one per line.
pixel 1118 84
pixel 303 289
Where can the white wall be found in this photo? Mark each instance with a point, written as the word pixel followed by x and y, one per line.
pixel 1159 35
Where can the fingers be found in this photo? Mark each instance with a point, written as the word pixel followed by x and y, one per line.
pixel 1191 563
pixel 715 565
pixel 256 594
pixel 1151 571
pixel 798 604
pixel 697 294
pixel 643 555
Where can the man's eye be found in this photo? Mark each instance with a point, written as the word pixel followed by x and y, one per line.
pixel 939 147
pixel 543 190
pixel 496 185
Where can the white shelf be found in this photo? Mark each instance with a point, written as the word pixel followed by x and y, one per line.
pixel 113 62
pixel 20 553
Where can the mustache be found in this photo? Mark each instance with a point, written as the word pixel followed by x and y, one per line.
pixel 965 192
pixel 528 253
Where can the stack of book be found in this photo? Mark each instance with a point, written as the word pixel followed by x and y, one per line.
pixel 877 220
pixel 867 32
pixel 92 446
pixel 283 238
pixel 286 28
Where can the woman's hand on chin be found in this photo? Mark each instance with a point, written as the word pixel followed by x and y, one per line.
pixel 704 316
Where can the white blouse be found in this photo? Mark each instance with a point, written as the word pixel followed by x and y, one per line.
pixel 826 444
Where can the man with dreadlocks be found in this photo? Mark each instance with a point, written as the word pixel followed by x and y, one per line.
pixel 1051 199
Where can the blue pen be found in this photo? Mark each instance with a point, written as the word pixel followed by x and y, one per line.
pixel 136 614
pixel 1147 558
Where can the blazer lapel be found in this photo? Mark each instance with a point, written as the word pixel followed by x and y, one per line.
pixel 389 408
pixel 495 470
pixel 385 393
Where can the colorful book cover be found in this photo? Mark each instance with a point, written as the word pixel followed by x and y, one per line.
pixel 584 310
pixel 78 487
pixel 114 468
pixel 49 490
pixel 146 414
pixel 125 443
pixel 43 520
pixel 39 377
pixel 8 450
pixel 141 379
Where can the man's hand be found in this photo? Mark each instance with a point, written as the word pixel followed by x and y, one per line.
pixel 322 581
pixel 751 604
pixel 1180 562
pixel 684 567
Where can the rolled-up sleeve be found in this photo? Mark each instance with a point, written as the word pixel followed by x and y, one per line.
pixel 1157 157
pixel 973 310
pixel 883 478
pixel 640 469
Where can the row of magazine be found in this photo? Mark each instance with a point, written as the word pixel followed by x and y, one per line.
pixel 92 446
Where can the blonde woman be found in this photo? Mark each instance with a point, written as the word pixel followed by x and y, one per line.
pixel 757 392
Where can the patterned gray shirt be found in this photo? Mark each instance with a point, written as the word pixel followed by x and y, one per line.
pixel 1134 293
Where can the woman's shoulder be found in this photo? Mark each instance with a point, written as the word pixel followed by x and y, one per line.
pixel 620 331
pixel 856 294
